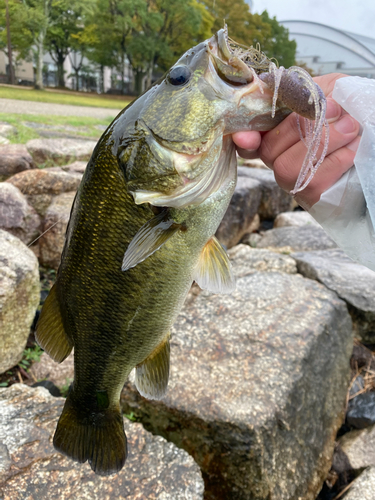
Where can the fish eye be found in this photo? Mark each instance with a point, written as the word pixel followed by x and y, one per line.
pixel 179 75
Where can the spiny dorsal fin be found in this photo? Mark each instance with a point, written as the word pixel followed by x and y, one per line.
pixel 50 333
pixel 149 238
pixel 214 272
pixel 151 376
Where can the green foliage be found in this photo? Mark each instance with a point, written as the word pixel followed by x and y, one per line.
pixel 30 355
pixel 65 388
pixel 132 417
pixel 278 45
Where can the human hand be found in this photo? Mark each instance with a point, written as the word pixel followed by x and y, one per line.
pixel 282 149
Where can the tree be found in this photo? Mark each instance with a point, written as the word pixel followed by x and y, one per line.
pixel 66 21
pixel 278 45
pixel 21 38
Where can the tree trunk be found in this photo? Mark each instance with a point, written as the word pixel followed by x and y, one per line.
pixel 139 74
pixel 60 70
pixel 39 62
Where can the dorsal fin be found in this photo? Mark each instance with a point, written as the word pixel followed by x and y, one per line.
pixel 50 333
pixel 151 376
pixel 149 238
pixel 214 272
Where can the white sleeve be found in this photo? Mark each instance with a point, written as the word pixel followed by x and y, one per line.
pixel 347 210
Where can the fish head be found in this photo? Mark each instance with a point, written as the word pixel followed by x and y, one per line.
pixel 183 151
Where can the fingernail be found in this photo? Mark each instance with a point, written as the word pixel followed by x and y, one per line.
pixel 353 146
pixel 346 125
pixel 333 110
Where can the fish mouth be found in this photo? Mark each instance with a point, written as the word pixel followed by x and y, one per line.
pixel 234 63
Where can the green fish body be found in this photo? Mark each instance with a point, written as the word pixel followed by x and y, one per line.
pixel 141 231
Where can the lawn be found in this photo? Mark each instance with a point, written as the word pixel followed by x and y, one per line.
pixel 32 126
pixel 64 97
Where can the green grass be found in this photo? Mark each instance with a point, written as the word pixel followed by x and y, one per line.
pixel 56 97
pixel 77 125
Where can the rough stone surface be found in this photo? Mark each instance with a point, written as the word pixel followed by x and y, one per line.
pixel 241 216
pixel 258 386
pixel 247 260
pixel 19 297
pixel 355 450
pixel 40 186
pixel 363 487
pixel 56 221
pixel 33 469
pixel 361 411
pixel 60 151
pixel 7 130
pixel 297 218
pixel 16 215
pixel 14 158
pixel 61 374
pixel 274 199
pixel 351 281
pixel 296 239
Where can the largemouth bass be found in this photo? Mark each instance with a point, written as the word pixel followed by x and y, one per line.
pixel 142 230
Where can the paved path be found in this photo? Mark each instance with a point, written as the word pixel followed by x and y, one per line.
pixel 46 108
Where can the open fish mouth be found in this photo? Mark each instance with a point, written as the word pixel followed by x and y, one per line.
pixel 293 87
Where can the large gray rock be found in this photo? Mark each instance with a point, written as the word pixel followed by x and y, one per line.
pixel 60 151
pixel 258 386
pixel 274 199
pixel 241 217
pixel 56 220
pixel 16 215
pixel 30 468
pixel 40 186
pixel 363 487
pixel 61 374
pixel 19 297
pixel 296 239
pixel 297 218
pixel 355 450
pixel 351 281
pixel 14 158
pixel 247 260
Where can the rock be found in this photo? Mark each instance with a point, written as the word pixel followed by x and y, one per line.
pixel 60 151
pixel 56 220
pixel 361 356
pixel 363 487
pixel 241 216
pixel 274 199
pixel 296 239
pixel 19 297
pixel 4 140
pixel 40 186
pixel 14 158
pixel 16 215
pixel 77 167
pixel 6 130
pixel 258 386
pixel 355 450
pixel 247 260
pixel 50 386
pixel 351 281
pixel 361 411
pixel 60 374
pixel 357 385
pixel 297 218
pixel 33 469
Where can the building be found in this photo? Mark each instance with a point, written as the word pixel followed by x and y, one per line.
pixel 327 50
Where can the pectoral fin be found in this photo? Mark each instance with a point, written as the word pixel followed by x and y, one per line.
pixel 151 376
pixel 214 272
pixel 50 333
pixel 149 238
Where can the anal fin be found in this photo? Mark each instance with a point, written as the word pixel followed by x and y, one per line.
pixel 149 238
pixel 151 376
pixel 213 271
pixel 50 333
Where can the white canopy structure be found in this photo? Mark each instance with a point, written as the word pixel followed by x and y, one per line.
pixel 326 50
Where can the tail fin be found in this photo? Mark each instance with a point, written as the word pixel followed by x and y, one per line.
pixel 99 438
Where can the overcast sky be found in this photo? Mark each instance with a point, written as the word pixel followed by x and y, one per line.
pixel 355 16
